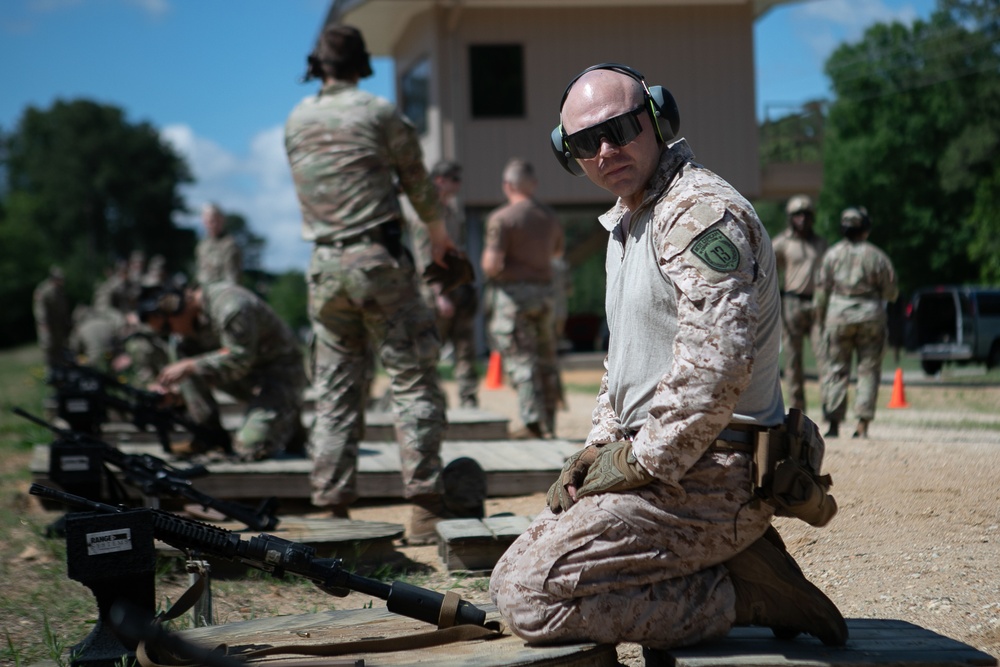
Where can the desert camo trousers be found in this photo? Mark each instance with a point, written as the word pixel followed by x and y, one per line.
pixel 521 329
pixel 361 299
pixel 797 322
pixel 641 566
pixel 867 340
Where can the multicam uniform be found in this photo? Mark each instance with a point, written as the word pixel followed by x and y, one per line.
pixel 97 336
pixel 460 328
pixel 53 320
pixel 855 281
pixel 798 260
pixel 521 305
pixel 346 147
pixel 219 259
pixel 257 359
pixel 693 308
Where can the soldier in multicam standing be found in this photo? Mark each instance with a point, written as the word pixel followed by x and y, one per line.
pixel 855 281
pixel 217 255
pixel 347 150
pixel 246 350
pixel 456 310
pixel 798 251
pixel 522 238
pixel 53 319
pixel 651 534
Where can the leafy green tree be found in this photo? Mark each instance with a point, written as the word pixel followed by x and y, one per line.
pixel 82 187
pixel 913 135
pixel 289 298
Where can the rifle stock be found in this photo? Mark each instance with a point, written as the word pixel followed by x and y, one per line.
pixel 278 556
pixel 155 477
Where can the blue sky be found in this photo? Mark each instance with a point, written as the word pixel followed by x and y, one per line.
pixel 218 78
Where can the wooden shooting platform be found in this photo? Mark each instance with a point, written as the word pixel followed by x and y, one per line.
pixel 512 467
pixel 873 643
pixel 352 625
pixel 475 545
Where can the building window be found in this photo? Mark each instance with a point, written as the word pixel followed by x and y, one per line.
pixel 497 82
pixel 415 85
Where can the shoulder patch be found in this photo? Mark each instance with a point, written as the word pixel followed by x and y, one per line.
pixel 717 251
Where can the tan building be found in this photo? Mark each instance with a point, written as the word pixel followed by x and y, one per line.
pixel 483 79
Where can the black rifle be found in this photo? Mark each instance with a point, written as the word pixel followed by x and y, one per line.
pixel 278 556
pixel 84 395
pixel 153 476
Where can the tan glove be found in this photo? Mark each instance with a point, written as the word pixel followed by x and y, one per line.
pixel 616 469
pixel 572 474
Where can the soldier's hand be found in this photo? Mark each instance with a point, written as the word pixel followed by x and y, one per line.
pixel 440 241
pixel 562 494
pixel 616 469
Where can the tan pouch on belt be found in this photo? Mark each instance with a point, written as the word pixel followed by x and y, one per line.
pixel 788 461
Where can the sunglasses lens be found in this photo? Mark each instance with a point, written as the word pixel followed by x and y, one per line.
pixel 620 131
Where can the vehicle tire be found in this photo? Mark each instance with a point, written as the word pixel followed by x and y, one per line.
pixel 993 359
pixel 931 366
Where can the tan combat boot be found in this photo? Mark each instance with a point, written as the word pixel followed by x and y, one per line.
pixel 771 591
pixel 428 510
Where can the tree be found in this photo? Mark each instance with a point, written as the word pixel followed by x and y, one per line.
pixel 83 187
pixel 912 135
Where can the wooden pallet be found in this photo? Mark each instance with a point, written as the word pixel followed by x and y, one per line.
pixel 513 468
pixel 475 545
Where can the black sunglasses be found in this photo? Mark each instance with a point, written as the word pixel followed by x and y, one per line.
pixel 620 131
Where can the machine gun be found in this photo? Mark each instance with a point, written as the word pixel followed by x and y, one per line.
pixel 84 395
pixel 263 552
pixel 78 462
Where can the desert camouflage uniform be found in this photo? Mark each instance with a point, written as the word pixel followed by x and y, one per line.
pixel 855 281
pixel 257 360
pixel 521 306
pixel 460 328
pixel 53 320
pixel 346 148
pixel 798 260
pixel 693 347
pixel 218 259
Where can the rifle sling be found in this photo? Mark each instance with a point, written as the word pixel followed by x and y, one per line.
pixel 446 633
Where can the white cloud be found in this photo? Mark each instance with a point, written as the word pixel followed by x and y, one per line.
pixel 257 186
pixel 824 24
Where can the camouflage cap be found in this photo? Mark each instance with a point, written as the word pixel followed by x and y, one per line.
pixel 458 272
pixel 854 218
pixel 800 204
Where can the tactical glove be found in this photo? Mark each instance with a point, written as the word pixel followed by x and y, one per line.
pixel 615 469
pixel 573 473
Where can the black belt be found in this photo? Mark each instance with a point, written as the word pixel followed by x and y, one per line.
pixel 805 297
pixel 388 233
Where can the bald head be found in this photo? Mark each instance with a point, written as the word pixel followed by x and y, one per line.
pixel 598 95
pixel 618 160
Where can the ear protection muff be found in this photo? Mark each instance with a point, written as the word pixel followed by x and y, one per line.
pixel 662 107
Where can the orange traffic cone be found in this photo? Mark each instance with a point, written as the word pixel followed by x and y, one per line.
pixel 898 399
pixel 494 372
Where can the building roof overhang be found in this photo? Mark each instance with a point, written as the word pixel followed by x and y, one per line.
pixel 383 21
